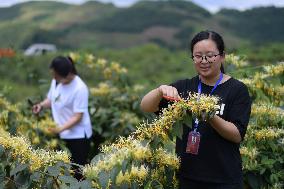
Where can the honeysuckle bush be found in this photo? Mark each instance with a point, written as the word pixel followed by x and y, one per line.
pixel 263 147
pixel 146 158
pixel 114 99
pixel 16 119
pixel 266 84
pixel 27 155
pixel 23 166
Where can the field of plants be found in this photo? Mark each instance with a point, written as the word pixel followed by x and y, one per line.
pixel 131 149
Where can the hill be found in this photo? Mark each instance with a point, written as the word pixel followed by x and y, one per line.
pixel 94 25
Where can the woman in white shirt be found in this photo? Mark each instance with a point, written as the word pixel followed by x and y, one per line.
pixel 68 100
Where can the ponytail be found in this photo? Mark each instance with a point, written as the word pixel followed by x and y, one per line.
pixel 222 68
pixel 73 68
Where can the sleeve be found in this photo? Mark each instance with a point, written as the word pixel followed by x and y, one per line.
pixel 240 110
pixel 80 103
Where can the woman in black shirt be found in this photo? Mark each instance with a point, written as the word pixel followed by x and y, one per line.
pixel 217 165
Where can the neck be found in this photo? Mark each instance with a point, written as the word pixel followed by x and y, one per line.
pixel 211 81
pixel 69 78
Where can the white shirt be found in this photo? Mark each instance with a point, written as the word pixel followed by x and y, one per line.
pixel 66 100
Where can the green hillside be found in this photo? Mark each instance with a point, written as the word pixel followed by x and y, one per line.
pixel 95 25
pixel 258 25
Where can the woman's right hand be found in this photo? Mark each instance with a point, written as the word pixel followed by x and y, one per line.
pixel 169 91
pixel 150 102
pixel 36 108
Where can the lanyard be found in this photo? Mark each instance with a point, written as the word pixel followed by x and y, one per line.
pixel 200 91
pixel 215 86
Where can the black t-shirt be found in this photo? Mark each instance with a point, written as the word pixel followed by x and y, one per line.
pixel 218 159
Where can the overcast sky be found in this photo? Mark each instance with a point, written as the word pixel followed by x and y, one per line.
pixel 211 5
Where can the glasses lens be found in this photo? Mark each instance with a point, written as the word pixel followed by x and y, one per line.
pixel 208 58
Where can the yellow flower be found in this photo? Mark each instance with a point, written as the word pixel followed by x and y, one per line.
pixel 74 56
pixel 104 89
pixel 90 58
pixel 22 150
pixel 101 62
pixel 251 153
pixel 268 134
pixel 165 158
pixel 136 174
pixel 235 60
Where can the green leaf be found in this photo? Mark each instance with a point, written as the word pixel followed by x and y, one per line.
pixel 169 173
pixel 2 175
pixel 97 158
pixel 53 171
pixel 124 166
pixel 169 146
pixel 254 181
pixel 2 185
pixel 157 141
pixel 187 119
pixel 103 179
pixel 124 185
pixel 85 184
pixel 18 168
pixel 262 171
pixel 2 150
pixel 49 183
pixel 113 173
pixel 134 185
pixel 35 176
pixel 22 180
pixel 67 179
pixel 145 142
pixel 148 185
pixel 156 185
pixel 177 129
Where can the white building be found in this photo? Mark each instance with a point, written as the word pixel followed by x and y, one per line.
pixel 39 49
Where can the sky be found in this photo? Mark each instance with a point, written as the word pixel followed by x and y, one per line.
pixel 211 5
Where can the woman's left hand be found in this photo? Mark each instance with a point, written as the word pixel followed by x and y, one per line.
pixel 55 130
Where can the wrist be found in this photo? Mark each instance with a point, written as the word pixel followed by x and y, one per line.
pixel 60 129
pixel 41 105
pixel 159 92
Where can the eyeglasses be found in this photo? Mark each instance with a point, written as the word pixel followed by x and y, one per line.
pixel 208 57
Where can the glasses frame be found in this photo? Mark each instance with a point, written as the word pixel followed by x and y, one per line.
pixel 205 57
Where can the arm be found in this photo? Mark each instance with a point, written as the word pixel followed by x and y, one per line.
pixel 46 103
pixel 150 102
pixel 226 129
pixel 76 118
pixel 238 117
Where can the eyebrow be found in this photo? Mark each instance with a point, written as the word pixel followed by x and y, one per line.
pixel 204 53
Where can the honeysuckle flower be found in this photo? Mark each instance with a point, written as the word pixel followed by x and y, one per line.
pixel 22 150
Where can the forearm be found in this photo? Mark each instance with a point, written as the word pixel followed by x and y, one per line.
pixel 150 102
pixel 46 103
pixel 71 122
pixel 226 129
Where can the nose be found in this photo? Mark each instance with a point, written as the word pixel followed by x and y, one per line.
pixel 205 58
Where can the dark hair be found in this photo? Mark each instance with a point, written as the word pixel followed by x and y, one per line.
pixel 214 36
pixel 63 66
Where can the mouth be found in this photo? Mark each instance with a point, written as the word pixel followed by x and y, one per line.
pixel 205 68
